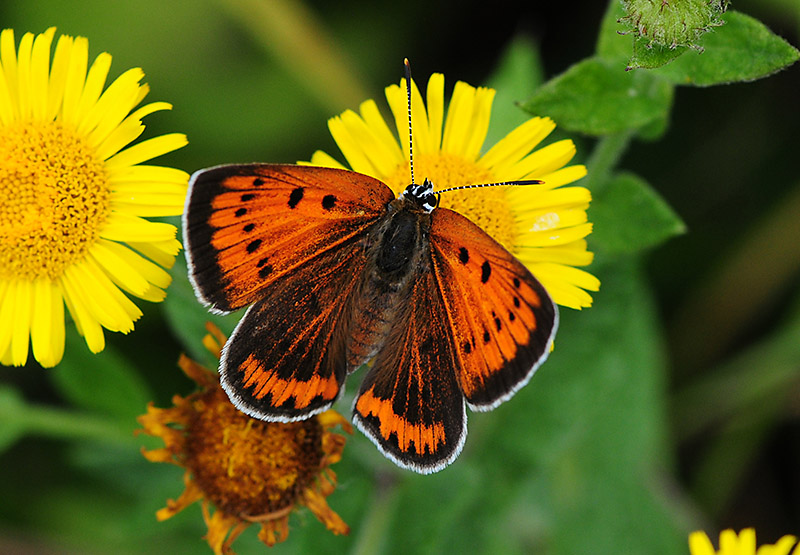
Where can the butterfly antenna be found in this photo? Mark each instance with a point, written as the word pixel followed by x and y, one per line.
pixel 410 133
pixel 498 184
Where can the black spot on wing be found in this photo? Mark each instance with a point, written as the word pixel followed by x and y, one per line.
pixel 328 201
pixel 295 197
pixel 463 255
pixel 240 212
pixel 247 197
pixel 249 227
pixel 486 271
pixel 253 246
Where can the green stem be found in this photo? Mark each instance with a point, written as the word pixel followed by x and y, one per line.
pixel 56 423
pixel 290 31
pixel 375 526
pixel 604 159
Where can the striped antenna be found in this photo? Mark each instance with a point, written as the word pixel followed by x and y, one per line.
pixel 410 133
pixel 498 184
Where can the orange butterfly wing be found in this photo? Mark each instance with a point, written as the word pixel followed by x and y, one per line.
pixel 289 239
pixel 249 226
pixel 409 403
pixel 501 319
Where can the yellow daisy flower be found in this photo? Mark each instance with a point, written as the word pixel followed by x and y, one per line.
pixel 253 472
pixel 544 226
pixel 73 202
pixel 743 544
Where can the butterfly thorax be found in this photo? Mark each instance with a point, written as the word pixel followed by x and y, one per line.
pixel 397 252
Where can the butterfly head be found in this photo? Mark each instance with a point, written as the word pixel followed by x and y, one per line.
pixel 422 195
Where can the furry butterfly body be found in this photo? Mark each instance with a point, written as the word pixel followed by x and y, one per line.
pixel 340 272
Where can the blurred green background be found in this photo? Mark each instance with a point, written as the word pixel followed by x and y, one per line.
pixel 670 405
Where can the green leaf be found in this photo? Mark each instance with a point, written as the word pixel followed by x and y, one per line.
pixel 597 97
pixel 587 431
pixel 105 382
pixel 629 216
pixel 612 45
pixel 187 317
pixel 648 55
pixel 743 49
pixel 519 72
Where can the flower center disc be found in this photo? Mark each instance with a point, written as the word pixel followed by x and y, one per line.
pixel 487 208
pixel 247 467
pixel 53 199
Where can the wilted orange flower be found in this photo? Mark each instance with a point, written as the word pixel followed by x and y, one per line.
pixel 249 470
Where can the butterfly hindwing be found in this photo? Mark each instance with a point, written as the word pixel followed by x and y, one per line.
pixel 247 227
pixel 409 403
pixel 286 358
pixel 501 318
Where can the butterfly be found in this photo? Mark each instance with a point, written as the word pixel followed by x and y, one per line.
pixel 338 272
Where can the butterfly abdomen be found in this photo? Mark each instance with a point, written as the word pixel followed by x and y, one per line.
pixel 396 254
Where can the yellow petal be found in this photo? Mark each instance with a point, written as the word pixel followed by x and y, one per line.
pixel 561 177
pixel 120 226
pixel 374 120
pixel 120 270
pixel 479 125
pixel 47 327
pixel 151 272
pixel 87 325
pixel 146 150
pixel 571 254
pixel 126 310
pixel 8 55
pixel 22 297
pixel 40 73
pixel 7 323
pixel 699 544
pixel 459 119
pixel 435 95
pixel 161 252
pixel 381 158
pixel 514 146
pixel 95 81
pixel 24 76
pixel 350 147
pixel 76 77
pixel 152 174
pixel 325 160
pixel 113 106
pixel 58 76
pixel 544 161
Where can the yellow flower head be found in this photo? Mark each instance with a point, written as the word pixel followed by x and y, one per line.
pixel 544 226
pixel 250 470
pixel 743 544
pixel 73 197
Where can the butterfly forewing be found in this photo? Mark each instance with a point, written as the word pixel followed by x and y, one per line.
pixel 289 239
pixel 409 402
pixel 502 320
pixel 247 227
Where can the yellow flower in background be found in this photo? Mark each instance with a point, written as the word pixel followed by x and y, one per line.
pixel 74 197
pixel 742 544
pixel 251 471
pixel 544 226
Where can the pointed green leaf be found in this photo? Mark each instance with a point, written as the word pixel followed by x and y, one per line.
pixel 630 216
pixel 597 97
pixel 743 49
pixel 612 45
pixel 647 55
